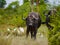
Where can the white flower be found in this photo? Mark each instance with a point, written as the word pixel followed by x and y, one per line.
pixel 21 29
pixel 8 29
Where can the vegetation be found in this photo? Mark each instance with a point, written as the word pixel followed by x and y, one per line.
pixel 2 3
pixel 54 35
pixel 13 15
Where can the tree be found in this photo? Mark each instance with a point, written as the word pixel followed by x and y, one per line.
pixel 26 1
pixel 13 5
pixel 46 0
pixel 37 2
pixel 2 3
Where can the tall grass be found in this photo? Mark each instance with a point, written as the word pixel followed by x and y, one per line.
pixel 5 41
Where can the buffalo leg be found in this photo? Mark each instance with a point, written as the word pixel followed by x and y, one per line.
pixel 49 26
pixel 35 32
pixel 27 32
pixel 31 34
pixel 32 30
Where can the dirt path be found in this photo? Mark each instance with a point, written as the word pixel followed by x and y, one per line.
pixel 41 38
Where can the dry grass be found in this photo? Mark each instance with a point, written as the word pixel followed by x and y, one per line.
pixel 5 41
pixel 29 41
pixel 21 40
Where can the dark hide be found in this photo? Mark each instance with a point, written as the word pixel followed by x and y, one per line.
pixel 48 21
pixel 33 22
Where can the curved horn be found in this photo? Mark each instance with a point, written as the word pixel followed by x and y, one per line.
pixel 23 18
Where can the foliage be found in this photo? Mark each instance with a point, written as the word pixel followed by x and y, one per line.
pixel 26 1
pixel 13 5
pixel 2 3
pixel 54 35
pixel 14 14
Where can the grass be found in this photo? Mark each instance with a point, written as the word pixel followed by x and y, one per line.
pixel 5 41
pixel 21 40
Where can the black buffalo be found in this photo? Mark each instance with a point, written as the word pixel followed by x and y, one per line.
pixel 47 22
pixel 50 13
pixel 33 21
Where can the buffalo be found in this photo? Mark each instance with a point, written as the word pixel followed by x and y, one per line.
pixel 33 22
pixel 47 21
